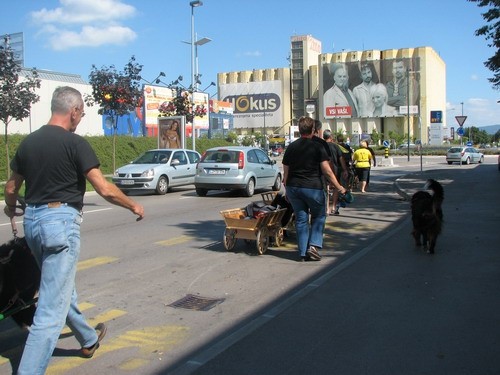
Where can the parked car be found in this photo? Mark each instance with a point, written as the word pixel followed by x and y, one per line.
pixel 158 170
pixel 236 168
pixel 464 155
pixel 499 163
pixel 404 146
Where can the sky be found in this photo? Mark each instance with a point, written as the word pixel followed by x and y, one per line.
pixel 71 36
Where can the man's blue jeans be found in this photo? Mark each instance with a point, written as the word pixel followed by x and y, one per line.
pixel 53 235
pixel 307 202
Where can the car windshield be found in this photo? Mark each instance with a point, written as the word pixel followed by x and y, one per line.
pixel 153 157
pixel 221 156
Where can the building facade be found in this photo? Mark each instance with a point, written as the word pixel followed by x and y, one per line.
pixel 40 113
pixel 355 92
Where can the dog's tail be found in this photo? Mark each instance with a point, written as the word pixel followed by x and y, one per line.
pixel 438 196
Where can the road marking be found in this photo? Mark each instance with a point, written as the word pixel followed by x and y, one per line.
pixel 174 241
pixel 97 210
pixel 94 262
pixel 5 224
pixel 148 341
pixel 133 364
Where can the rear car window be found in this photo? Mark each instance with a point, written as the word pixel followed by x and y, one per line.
pixel 221 156
pixel 455 149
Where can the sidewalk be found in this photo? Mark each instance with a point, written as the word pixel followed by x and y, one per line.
pixel 389 308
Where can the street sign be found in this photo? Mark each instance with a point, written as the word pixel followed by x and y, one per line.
pixel 436 117
pixel 460 119
pixel 386 143
pixel 469 144
pixel 403 110
pixel 460 131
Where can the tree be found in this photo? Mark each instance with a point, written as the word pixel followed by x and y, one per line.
pixel 476 135
pixel 491 31
pixel 182 105
pixel 16 94
pixel 116 93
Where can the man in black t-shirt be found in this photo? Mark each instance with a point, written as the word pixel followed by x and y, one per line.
pixel 54 163
pixel 304 164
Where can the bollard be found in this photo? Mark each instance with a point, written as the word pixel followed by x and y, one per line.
pixel 386 152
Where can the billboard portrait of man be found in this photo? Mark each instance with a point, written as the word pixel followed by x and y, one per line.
pixel 369 78
pixel 397 84
pixel 339 100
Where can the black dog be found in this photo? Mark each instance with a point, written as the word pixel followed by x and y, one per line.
pixel 427 215
pixel 19 281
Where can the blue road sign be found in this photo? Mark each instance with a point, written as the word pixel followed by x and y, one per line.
pixel 386 143
pixel 469 144
pixel 460 131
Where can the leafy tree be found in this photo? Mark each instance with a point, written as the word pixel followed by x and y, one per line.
pixel 182 105
pixel 231 137
pixel 116 93
pixel 375 137
pixel 476 135
pixel 247 140
pixel 491 31
pixel 16 94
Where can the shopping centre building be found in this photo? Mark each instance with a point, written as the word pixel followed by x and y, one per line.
pixel 353 92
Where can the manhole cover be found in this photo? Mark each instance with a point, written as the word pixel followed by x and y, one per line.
pixel 192 302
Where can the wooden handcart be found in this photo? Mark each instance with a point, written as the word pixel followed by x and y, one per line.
pixel 238 225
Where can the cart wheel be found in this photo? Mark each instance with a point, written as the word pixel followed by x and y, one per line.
pixel 229 239
pixel 279 237
pixel 262 241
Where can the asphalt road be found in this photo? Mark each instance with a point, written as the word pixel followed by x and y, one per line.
pixel 371 295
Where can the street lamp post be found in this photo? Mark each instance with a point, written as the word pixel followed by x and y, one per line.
pixel 193 4
pixel 408 106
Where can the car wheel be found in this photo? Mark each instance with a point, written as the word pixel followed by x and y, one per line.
pixel 162 186
pixel 481 160
pixel 450 162
pixel 250 188
pixel 277 183
pixel 467 161
pixel 201 192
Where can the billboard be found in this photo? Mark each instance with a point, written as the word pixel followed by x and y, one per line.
pixel 171 133
pixel 154 96
pixel 200 122
pixel 256 104
pixel 376 88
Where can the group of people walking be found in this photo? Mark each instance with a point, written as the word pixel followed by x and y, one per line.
pixel 312 165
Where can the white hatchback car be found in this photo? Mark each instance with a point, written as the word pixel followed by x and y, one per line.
pixel 158 170
pixel 464 155
pixel 236 168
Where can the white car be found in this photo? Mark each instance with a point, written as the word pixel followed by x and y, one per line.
pixel 464 155
pixel 158 170
pixel 404 146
